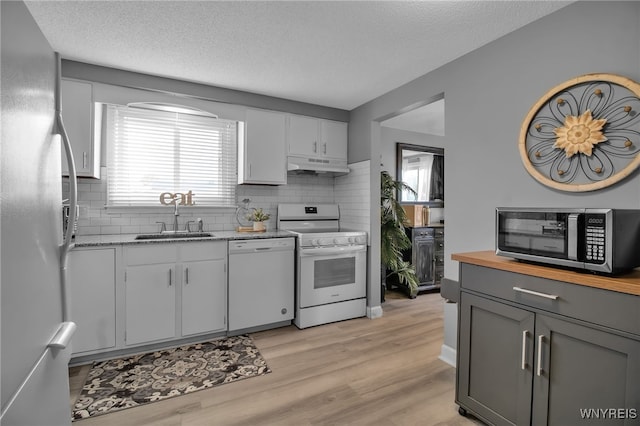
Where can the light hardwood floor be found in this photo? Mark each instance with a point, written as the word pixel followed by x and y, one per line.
pixel 359 372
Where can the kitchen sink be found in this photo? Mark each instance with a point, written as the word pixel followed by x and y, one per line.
pixel 171 235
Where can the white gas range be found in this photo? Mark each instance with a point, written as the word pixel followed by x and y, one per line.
pixel 331 276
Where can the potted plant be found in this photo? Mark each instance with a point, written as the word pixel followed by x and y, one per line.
pixel 393 239
pixel 258 217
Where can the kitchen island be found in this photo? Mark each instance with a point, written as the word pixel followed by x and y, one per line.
pixel 542 345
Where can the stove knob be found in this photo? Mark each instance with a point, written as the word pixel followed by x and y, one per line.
pixel 325 241
pixel 315 242
pixel 337 241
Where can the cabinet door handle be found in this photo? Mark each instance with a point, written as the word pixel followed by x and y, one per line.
pixel 524 349
pixel 170 277
pixel 315 146
pixel 325 148
pixel 84 159
pixel 539 369
pixel 186 275
pixel 536 293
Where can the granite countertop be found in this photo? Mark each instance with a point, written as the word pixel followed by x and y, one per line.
pixel 116 239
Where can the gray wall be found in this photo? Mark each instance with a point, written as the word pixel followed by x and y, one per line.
pixel 488 93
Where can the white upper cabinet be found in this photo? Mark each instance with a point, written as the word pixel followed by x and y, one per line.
pixel 78 117
pixel 262 152
pixel 334 135
pixel 303 135
pixel 313 137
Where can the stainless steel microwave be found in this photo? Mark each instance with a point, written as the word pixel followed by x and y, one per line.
pixel 599 240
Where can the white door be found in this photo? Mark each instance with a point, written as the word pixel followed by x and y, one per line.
pixel 93 302
pixel 150 303
pixel 260 296
pixel 334 136
pixel 264 151
pixel 204 296
pixel 303 136
pixel 332 274
pixel 77 111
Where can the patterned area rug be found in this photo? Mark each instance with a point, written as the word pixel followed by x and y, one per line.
pixel 128 382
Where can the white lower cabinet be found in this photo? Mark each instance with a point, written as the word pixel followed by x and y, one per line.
pixel 92 280
pixel 174 290
pixel 151 303
pixel 204 301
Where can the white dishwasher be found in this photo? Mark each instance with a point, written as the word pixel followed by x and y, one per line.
pixel 261 283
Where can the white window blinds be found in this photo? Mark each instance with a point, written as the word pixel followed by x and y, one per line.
pixel 152 152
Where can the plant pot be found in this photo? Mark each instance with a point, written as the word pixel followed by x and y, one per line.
pixel 259 226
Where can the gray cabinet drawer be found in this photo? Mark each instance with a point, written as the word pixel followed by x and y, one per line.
pixel 608 308
pixel 422 232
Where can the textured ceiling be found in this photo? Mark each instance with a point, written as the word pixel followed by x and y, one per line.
pixel 338 54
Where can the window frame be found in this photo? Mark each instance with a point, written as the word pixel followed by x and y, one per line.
pixel 220 197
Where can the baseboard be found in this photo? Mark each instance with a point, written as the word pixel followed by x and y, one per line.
pixel 448 355
pixel 374 312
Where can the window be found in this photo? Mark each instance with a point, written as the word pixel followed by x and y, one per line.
pixel 153 152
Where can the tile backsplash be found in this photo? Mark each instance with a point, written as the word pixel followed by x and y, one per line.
pixel 95 219
pixel 352 194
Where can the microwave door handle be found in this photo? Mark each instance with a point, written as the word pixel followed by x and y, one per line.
pixel 572 236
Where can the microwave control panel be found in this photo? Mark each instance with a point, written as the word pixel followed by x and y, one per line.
pixel 595 238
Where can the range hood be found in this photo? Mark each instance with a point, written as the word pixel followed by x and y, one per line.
pixel 316 165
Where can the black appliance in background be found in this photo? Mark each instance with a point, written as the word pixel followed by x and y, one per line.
pixel 427 257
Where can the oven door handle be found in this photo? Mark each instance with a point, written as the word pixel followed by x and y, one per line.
pixel 328 251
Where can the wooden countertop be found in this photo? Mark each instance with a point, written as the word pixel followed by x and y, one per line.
pixel 628 283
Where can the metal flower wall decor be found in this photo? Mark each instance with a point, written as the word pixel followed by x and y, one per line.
pixel 584 134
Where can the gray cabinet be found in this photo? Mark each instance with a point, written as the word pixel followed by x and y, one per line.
pixel 520 362
pixel 579 367
pixel 426 255
pixel 491 380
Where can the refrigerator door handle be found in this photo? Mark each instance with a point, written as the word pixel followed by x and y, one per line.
pixel 67 243
pixel 62 338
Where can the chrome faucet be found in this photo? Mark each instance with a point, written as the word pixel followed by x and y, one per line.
pixel 175 216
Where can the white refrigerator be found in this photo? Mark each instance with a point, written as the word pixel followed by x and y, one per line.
pixel 35 386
